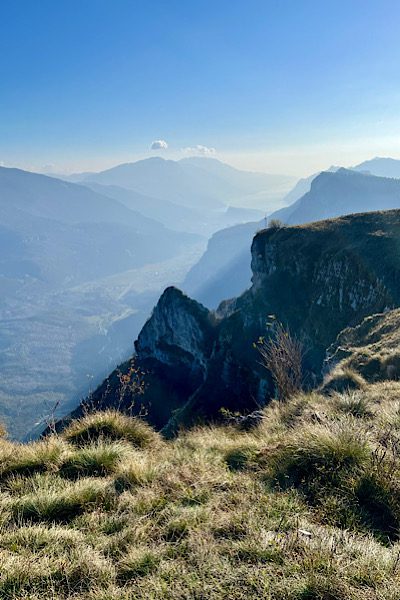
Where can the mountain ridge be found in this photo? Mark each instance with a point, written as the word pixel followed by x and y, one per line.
pixel 317 279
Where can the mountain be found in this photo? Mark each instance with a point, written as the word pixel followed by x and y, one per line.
pixel 67 259
pixel 342 192
pixel 166 180
pixel 173 216
pixel 238 182
pixel 52 198
pixel 52 222
pixel 202 184
pixel 317 279
pixel 331 194
pixel 382 167
pixel 303 186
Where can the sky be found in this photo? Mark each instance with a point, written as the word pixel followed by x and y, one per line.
pixel 284 86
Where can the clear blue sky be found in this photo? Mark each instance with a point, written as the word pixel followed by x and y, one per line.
pixel 279 85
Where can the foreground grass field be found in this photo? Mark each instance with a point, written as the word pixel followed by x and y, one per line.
pixel 305 506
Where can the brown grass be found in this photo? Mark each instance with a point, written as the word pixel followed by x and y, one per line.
pixel 304 506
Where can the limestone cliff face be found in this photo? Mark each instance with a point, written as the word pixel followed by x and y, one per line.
pixel 178 334
pixel 317 279
pixel 322 277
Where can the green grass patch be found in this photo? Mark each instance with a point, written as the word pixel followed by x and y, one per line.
pixel 111 425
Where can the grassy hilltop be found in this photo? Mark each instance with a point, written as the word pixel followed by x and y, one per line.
pixel 304 506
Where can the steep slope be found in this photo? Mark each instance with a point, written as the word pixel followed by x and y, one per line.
pixel 332 194
pixel 317 279
pixel 371 349
pixel 303 186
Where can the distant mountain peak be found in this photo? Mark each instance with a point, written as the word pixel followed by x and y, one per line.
pixel 381 166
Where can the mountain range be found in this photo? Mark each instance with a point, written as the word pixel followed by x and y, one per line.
pixel 195 182
pixel 82 264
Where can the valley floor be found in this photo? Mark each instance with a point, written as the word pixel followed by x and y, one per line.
pixel 305 506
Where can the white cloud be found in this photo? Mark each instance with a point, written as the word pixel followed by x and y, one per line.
pixel 159 145
pixel 200 150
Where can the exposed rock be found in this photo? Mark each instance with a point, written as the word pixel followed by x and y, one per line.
pixel 247 422
pixel 179 334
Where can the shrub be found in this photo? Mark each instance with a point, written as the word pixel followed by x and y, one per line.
pixel 275 224
pixel 111 425
pixel 282 356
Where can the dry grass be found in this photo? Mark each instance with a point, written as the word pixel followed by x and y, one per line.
pixel 305 506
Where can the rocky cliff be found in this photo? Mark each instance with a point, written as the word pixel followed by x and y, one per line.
pixel 317 279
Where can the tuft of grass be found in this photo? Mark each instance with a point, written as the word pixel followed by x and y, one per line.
pixel 70 573
pixel 51 499
pixel 20 459
pixel 95 460
pixel 137 563
pixel 318 454
pixel 138 471
pixel 240 457
pixel 354 404
pixel 111 425
pixel 343 379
